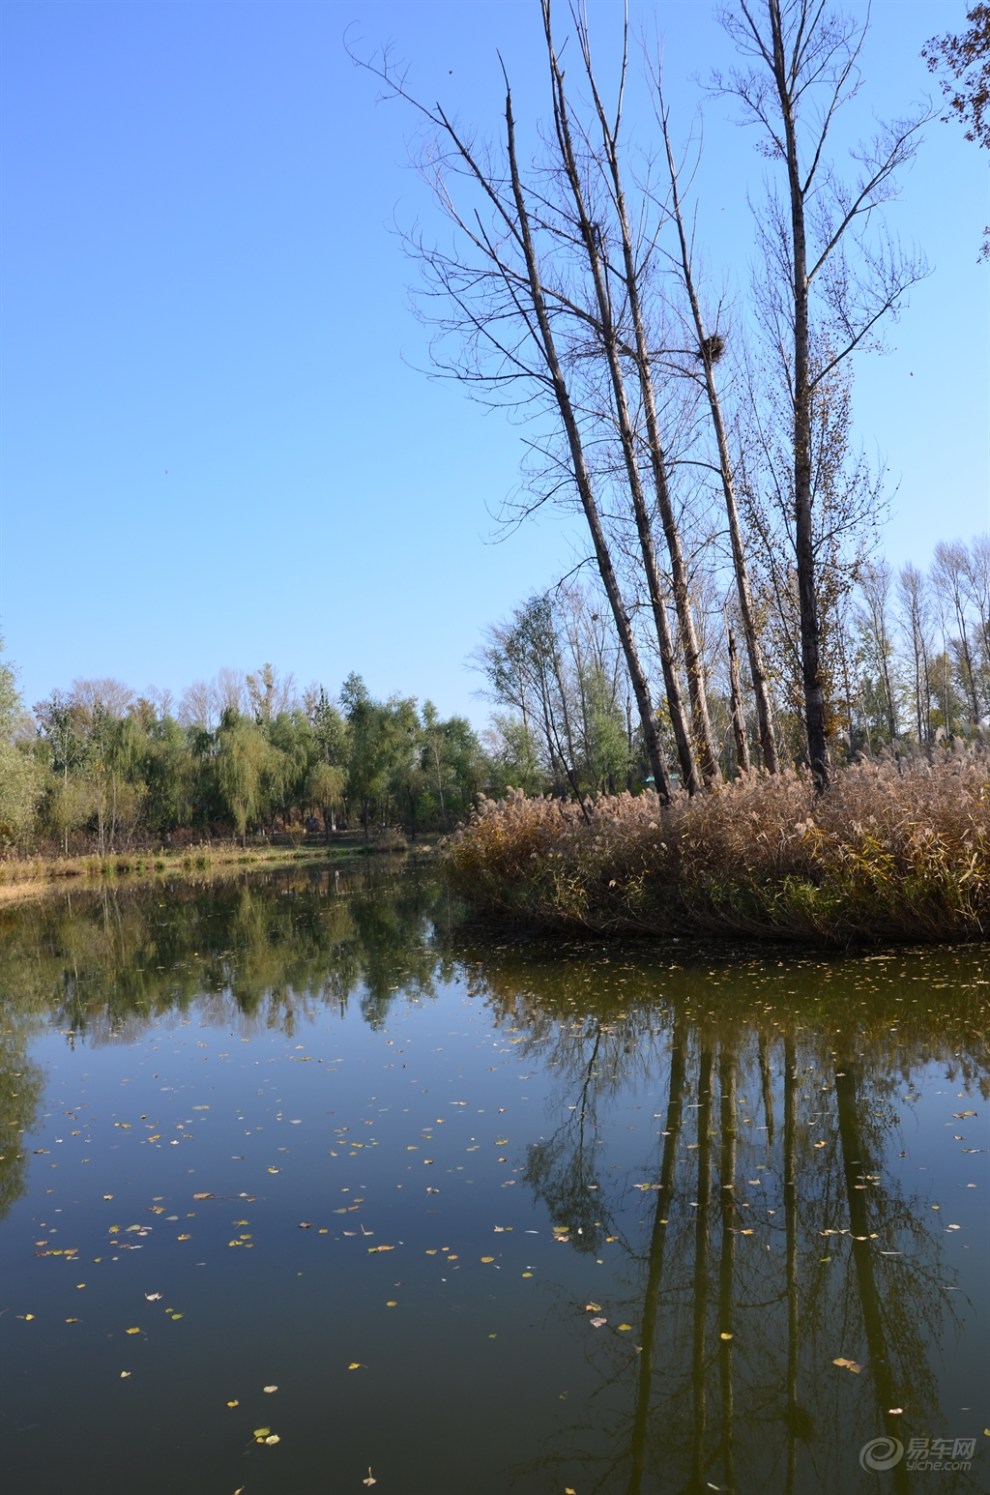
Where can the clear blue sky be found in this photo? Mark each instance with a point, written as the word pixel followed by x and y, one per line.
pixel 216 447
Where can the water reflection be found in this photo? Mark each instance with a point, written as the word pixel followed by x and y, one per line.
pixel 273 947
pixel 728 1139
pixel 786 1297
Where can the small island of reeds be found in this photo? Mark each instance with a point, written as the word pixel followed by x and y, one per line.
pixel 892 851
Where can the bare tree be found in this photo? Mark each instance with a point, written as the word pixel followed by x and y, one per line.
pixel 950 579
pixel 831 280
pixel 548 299
pixel 709 345
pixel 915 613
pixel 631 277
pixel 270 694
pixel 873 616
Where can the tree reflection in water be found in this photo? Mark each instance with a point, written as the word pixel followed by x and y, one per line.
pixel 777 1237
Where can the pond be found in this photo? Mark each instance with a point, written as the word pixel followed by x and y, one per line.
pixel 308 1185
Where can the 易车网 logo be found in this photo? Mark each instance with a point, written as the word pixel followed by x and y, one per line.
pixel 921 1453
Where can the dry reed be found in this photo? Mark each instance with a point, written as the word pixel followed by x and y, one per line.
pixel 892 851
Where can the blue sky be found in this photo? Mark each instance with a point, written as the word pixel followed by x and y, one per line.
pixel 218 447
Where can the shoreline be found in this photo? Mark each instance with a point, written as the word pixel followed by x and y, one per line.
pixel 33 877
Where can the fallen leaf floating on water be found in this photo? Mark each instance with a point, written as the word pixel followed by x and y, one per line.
pixel 845 1364
pixel 369 1478
pixel 596 1323
pixel 269 1389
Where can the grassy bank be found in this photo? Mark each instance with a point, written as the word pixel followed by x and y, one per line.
pixel 891 852
pixel 24 877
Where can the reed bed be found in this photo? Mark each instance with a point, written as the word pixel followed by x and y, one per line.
pixel 892 851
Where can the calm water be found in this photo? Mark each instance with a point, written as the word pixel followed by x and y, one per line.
pixel 310 1161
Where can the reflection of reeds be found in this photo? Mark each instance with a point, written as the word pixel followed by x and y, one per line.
pixel 28 875
pixel 890 851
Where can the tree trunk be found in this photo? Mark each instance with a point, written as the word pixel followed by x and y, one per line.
pixel 591 239
pixel 738 715
pixel 764 711
pixel 814 694
pixel 582 476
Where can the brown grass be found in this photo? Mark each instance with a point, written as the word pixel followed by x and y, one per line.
pixel 891 852
pixel 25 877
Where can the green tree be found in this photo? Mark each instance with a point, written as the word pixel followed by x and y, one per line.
pixel 20 777
pixel 241 759
pixel 169 771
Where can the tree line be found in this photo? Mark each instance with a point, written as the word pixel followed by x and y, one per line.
pixel 909 666
pixel 97 765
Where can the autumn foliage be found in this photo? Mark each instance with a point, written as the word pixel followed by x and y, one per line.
pixel 892 851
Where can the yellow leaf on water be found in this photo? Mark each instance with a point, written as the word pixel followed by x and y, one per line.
pixel 234 1403
pixel 725 1335
pixel 354 1365
pixel 273 1438
pixel 845 1364
pixel 624 1328
pixel 132 1331
pixel 487 1259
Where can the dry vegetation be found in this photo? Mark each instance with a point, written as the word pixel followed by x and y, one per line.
pixel 27 876
pixel 891 851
